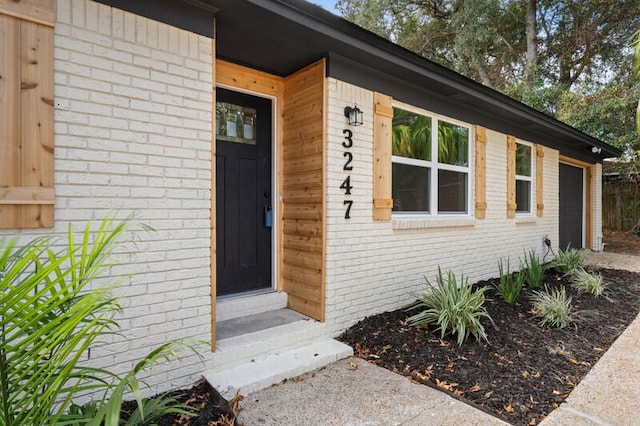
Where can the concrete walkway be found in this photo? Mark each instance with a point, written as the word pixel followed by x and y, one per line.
pixel 353 392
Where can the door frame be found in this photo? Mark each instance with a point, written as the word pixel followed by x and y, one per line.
pixel 273 182
pixel 587 196
pixel 256 83
pixel 274 187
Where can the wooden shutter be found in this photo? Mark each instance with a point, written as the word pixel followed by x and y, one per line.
pixel 511 177
pixel 382 123
pixel 481 172
pixel 26 113
pixel 539 168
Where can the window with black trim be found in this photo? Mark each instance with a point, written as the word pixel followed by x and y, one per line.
pixel 429 178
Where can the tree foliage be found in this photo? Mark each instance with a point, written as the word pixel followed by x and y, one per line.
pixel 576 66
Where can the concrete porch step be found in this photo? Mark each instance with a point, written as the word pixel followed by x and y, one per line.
pixel 262 373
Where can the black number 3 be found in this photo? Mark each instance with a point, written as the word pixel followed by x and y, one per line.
pixel 348 143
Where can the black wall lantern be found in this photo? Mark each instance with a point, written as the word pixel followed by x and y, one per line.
pixel 354 115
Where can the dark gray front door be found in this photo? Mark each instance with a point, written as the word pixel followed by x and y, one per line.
pixel 243 192
pixel 571 206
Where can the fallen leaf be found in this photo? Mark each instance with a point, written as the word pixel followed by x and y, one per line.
pixel 488 394
pixel 525 374
pixel 574 361
pixel 474 388
pixel 597 349
pixel 508 408
pixel 537 375
pixel 533 422
pixel 458 392
pixel 352 366
pixel 297 379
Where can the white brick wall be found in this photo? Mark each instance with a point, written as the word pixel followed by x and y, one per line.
pixel 133 135
pixel 596 243
pixel 375 266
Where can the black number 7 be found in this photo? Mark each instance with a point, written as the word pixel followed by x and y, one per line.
pixel 347 213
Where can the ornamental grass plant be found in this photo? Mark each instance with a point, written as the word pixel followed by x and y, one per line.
pixel 51 313
pixel 587 282
pixel 532 269
pixel 510 283
pixel 553 307
pixel 454 306
pixel 569 260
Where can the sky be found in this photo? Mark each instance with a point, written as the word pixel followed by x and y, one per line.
pixel 327 4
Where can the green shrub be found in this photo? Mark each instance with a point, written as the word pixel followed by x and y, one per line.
pixel 50 314
pixel 567 261
pixel 553 308
pixel 455 308
pixel 510 284
pixel 532 269
pixel 586 282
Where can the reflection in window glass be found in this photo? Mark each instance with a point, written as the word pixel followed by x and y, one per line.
pixel 410 188
pixel 452 192
pixel 411 135
pixel 523 160
pixel 523 196
pixel 453 144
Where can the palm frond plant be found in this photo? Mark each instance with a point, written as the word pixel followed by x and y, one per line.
pixel 456 308
pixel 510 283
pixel 411 135
pixel 50 314
pixel 569 260
pixel 586 282
pixel 553 307
pixel 532 269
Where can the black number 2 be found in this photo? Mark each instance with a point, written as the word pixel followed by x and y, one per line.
pixel 349 157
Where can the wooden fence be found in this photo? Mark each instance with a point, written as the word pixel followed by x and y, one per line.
pixel 618 200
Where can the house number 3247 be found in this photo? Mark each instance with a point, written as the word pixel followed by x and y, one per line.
pixel 347 143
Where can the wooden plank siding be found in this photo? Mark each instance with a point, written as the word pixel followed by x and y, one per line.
pixel 26 114
pixel 303 205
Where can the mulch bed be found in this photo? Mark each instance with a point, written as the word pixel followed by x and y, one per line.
pixel 527 370
pixel 212 408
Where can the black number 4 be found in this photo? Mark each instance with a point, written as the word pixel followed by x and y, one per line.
pixel 346 185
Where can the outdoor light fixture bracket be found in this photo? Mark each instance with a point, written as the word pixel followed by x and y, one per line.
pixel 596 150
pixel 354 115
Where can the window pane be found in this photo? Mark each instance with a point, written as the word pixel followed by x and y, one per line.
pixel 235 123
pixel 410 188
pixel 523 196
pixel 523 160
pixel 453 144
pixel 411 135
pixel 452 192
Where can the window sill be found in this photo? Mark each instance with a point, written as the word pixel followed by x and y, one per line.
pixel 418 222
pixel 526 219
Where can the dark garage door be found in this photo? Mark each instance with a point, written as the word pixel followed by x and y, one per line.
pixel 571 206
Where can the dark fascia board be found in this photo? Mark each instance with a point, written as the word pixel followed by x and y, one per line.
pixel 378 48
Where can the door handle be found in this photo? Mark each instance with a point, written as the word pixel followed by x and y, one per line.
pixel 268 216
